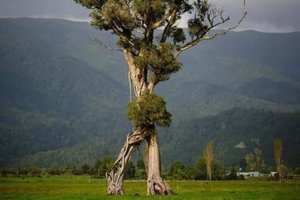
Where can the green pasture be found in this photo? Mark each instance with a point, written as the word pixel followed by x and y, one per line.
pixel 84 188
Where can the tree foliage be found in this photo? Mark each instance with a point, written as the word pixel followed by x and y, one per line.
pixel 255 160
pixel 103 165
pixel 148 110
pixel 178 171
pixel 160 62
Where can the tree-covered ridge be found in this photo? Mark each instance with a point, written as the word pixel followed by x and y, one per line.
pixel 253 128
pixel 40 77
pixel 50 69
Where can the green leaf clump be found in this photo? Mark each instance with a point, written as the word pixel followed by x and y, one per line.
pixel 160 61
pixel 149 109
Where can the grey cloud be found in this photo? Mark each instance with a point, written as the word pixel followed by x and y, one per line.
pixel 263 15
pixel 66 9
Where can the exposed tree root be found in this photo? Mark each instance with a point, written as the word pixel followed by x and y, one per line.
pixel 158 187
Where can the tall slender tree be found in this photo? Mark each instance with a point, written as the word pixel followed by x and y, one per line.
pixel 208 156
pixel 278 157
pixel 151 41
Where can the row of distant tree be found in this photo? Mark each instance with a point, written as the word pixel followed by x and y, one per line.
pixel 177 171
pixel 208 168
pixel 205 168
pixel 98 170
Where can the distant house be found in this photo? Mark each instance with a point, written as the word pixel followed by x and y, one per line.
pixel 273 174
pixel 248 174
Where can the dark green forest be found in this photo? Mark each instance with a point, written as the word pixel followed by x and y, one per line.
pixel 63 97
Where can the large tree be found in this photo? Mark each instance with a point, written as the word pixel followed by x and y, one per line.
pixel 151 40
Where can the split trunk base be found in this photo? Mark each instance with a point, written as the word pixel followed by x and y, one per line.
pixel 158 187
pixel 155 184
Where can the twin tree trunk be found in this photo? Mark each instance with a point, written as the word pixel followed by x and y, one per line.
pixel 155 184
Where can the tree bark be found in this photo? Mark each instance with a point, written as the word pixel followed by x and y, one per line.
pixel 116 175
pixel 155 184
pixel 136 74
pixel 278 157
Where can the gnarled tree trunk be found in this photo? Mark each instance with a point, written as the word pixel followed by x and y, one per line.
pixel 116 175
pixel 155 184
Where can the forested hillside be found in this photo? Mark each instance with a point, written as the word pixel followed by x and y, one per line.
pixel 64 97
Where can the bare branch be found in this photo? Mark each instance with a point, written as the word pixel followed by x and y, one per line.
pixel 161 22
pixel 205 36
pixel 105 46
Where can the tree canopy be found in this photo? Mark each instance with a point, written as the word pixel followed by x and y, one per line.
pixel 149 29
pixel 135 20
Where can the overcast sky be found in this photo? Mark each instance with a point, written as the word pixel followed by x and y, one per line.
pixel 263 15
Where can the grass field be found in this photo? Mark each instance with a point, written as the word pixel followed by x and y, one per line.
pixel 84 188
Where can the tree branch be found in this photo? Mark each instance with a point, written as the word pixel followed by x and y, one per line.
pixel 205 36
pixel 167 29
pixel 105 46
pixel 161 22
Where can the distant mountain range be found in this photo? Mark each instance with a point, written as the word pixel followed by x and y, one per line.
pixel 63 96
